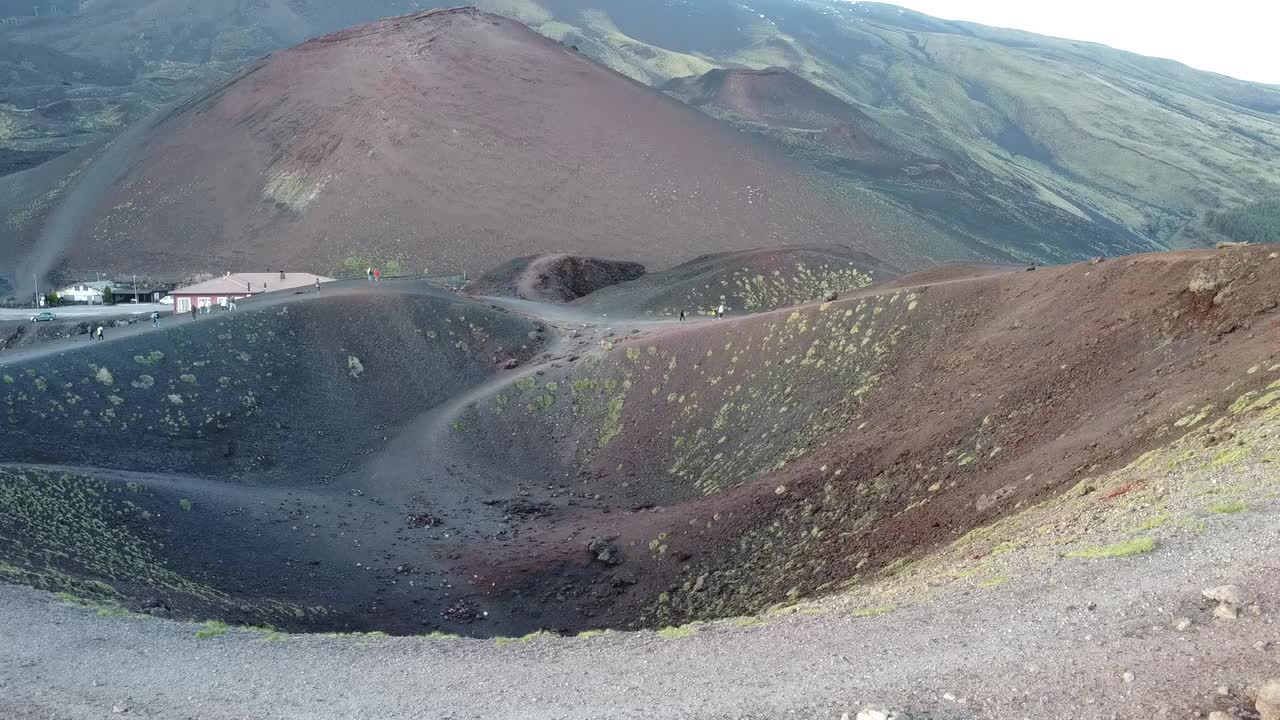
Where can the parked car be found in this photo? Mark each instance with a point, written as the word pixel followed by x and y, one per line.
pixel 44 317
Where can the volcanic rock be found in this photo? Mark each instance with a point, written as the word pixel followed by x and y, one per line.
pixel 1268 702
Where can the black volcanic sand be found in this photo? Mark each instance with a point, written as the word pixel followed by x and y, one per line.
pixel 555 278
pixel 221 453
pixel 746 281
pixel 394 457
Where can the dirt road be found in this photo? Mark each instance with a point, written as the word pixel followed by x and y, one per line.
pixel 1054 645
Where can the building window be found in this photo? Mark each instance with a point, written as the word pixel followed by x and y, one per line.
pixel 184 305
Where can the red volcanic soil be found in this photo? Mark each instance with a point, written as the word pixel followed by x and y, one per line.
pixel 785 456
pixel 446 140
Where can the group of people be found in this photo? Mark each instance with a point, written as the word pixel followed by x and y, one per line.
pixel 719 312
pixel 372 273
pixel 197 310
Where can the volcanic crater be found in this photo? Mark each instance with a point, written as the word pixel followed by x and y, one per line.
pixel 396 457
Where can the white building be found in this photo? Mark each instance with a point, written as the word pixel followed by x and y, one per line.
pixel 89 293
pixel 236 286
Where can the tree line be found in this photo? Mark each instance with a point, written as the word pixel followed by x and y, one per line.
pixel 1258 222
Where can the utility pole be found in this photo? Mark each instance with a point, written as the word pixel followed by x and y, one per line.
pixel 36 280
pixel 135 288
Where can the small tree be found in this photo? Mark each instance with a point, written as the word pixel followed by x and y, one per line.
pixel 108 297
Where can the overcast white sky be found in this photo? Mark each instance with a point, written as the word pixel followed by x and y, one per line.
pixel 1240 38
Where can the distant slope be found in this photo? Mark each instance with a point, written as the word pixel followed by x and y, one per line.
pixel 773 96
pixel 1118 138
pixel 443 141
pixel 73 80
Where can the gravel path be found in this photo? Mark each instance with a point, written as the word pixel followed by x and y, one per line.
pixel 1033 649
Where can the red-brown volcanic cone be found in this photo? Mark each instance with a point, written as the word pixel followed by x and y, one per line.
pixel 445 140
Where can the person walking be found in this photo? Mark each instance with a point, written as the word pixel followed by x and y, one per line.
pixel 99 333
pixel 720 311
pixel 231 303
pixel 369 273
pixel 317 285
pixel 377 275
pixel 194 312
pixel 681 316
pixel 155 319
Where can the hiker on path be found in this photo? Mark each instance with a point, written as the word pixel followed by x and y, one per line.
pixel 155 319
pixel 720 311
pixel 194 312
pixel 376 275
pixel 681 316
pixel 317 284
pixel 368 272
pixel 231 303
pixel 99 333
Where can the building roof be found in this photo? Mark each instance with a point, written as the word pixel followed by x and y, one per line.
pixel 251 283
pixel 98 285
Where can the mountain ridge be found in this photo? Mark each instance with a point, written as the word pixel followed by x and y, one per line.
pixel 438 141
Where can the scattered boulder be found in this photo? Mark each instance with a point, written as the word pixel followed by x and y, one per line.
pixel 1182 624
pixel 1268 702
pixel 420 520
pixel 1226 612
pixel 876 713
pixel 605 551
pixel 1221 715
pixel 156 607
pixel 1228 600
pixel 832 296
pixel 461 612
pixel 1226 594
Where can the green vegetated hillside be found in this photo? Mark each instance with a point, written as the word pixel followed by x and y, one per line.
pixel 1093 133
pixel 1258 222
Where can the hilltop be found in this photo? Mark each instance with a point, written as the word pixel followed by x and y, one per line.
pixel 941 135
pixel 459 141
